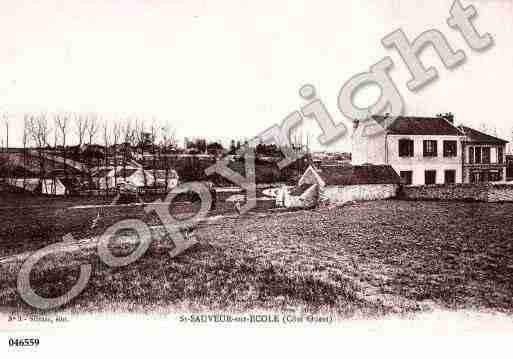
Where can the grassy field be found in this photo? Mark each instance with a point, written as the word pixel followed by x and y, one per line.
pixel 364 259
pixel 33 222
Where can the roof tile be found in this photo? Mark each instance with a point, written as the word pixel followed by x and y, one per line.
pixel 364 174
pixel 408 125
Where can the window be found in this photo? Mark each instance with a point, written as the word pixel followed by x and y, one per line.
pixel 477 155
pixel 486 154
pixel 430 177
pixel 471 155
pixel 450 176
pixel 430 148
pixel 500 155
pixel 405 148
pixel 406 177
pixel 450 149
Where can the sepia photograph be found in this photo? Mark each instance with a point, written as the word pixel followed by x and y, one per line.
pixel 240 177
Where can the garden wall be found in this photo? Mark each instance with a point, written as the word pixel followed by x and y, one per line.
pixel 485 192
pixel 369 192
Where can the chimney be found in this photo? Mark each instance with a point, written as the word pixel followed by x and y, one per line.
pixel 449 117
pixel 355 124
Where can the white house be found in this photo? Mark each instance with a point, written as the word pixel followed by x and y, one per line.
pixel 422 150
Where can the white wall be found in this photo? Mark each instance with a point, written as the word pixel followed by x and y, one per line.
pixel 53 187
pixel 369 192
pixel 368 144
pixel 418 164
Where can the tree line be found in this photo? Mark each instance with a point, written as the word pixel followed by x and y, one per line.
pixel 71 146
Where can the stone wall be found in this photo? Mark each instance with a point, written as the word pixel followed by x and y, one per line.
pixel 369 192
pixel 486 192
pixel 500 193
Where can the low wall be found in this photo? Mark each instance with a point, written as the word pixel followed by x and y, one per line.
pixel 486 192
pixel 500 193
pixel 370 192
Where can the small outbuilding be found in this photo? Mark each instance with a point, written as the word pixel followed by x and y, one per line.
pixel 339 184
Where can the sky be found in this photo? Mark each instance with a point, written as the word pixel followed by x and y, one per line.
pixel 226 69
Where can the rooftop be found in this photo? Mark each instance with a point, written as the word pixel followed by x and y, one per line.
pixel 477 136
pixel 364 174
pixel 410 125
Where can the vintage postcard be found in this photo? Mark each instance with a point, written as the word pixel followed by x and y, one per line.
pixel 239 177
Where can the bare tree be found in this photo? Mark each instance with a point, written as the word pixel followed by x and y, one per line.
pixel 80 121
pixel 130 142
pixel 153 138
pixel 62 122
pixel 54 151
pixel 128 136
pixel 25 141
pixel 168 140
pixel 92 127
pixel 140 142
pixel 38 129
pixel 107 137
pixel 138 132
pixel 116 136
pixel 56 131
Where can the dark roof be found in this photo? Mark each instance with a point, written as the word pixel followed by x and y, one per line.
pixel 477 136
pixel 365 174
pixel 408 125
